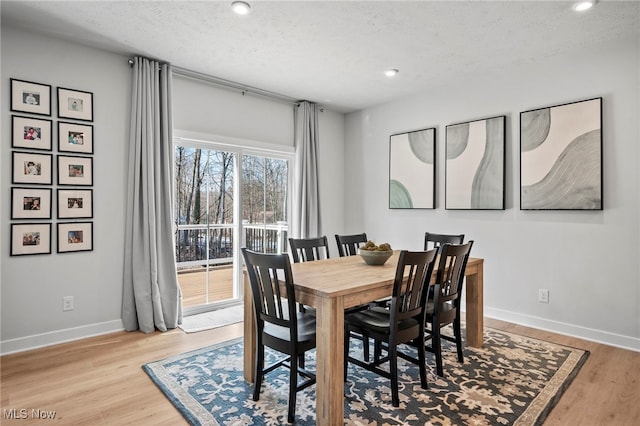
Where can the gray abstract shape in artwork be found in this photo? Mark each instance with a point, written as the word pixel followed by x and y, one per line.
pixel 574 182
pixel 421 144
pixel 457 140
pixel 534 128
pixel 399 197
pixel 487 190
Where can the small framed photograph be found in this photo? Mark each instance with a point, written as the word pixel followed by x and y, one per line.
pixel 75 203
pixel 30 238
pixel 30 203
pixel 31 168
pixel 75 104
pixel 74 137
pixel 31 133
pixel 75 170
pixel 27 96
pixel 76 236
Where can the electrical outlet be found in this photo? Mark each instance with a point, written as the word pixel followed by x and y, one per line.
pixel 543 295
pixel 67 303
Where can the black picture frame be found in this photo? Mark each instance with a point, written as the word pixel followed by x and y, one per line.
pixel 30 97
pixel 75 137
pixel 75 104
pixel 31 133
pixel 412 169
pixel 475 164
pixel 75 204
pixel 30 239
pixel 561 161
pixel 30 203
pixel 75 237
pixel 75 170
pixel 31 168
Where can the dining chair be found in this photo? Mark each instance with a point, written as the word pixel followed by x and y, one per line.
pixel 309 249
pixel 401 323
pixel 432 240
pixel 279 325
pixel 444 308
pixel 348 244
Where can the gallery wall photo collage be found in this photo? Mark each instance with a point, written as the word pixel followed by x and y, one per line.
pixel 50 178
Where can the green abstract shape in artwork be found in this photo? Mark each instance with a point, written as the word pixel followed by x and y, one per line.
pixel 399 197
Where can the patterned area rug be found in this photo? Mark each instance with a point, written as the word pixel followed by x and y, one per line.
pixel 513 380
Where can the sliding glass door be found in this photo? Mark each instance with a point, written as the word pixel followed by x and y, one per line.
pixel 215 217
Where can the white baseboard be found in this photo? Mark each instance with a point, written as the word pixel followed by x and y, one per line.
pixel 59 336
pixel 598 336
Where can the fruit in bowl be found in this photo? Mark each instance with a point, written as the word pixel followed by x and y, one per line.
pixel 373 254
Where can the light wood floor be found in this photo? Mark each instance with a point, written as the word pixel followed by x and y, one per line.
pixel 194 289
pixel 99 381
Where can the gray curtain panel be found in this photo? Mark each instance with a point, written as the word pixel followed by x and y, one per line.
pixel 306 221
pixel 151 294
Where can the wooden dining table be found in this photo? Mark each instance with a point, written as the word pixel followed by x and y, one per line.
pixel 332 285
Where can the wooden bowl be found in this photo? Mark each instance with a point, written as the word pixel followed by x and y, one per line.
pixel 375 257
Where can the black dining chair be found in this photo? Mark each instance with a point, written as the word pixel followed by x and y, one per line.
pixel 444 308
pixel 279 325
pixel 309 249
pixel 432 240
pixel 402 322
pixel 348 244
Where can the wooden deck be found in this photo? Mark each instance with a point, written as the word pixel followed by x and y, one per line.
pixel 193 285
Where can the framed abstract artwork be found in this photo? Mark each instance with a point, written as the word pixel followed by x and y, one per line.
pixel 561 157
pixel 30 133
pixel 475 165
pixel 412 171
pixel 76 236
pixel 27 96
pixel 75 104
pixel 30 238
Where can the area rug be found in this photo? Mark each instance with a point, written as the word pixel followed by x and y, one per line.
pixel 213 319
pixel 512 380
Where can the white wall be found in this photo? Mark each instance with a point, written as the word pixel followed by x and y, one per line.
pixel 589 260
pixel 32 287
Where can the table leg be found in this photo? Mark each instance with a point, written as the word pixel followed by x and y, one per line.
pixel 329 362
pixel 475 306
pixel 249 331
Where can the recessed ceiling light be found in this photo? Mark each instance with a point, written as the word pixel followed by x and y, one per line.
pixel 581 6
pixel 391 72
pixel 241 7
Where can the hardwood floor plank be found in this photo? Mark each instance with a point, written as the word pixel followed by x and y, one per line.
pixel 99 381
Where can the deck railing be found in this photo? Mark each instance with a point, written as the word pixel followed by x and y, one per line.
pixel 212 244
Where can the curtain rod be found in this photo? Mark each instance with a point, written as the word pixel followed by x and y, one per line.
pixel 244 89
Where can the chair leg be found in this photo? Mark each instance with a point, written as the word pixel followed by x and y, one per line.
pixel 365 346
pixel 458 335
pixel 422 362
pixel 293 384
pixel 393 372
pixel 259 367
pixel 437 347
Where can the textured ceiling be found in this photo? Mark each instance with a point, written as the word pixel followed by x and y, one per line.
pixel 333 53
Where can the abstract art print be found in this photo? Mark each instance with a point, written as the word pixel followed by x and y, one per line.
pixel 475 165
pixel 412 170
pixel 561 157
